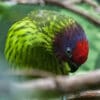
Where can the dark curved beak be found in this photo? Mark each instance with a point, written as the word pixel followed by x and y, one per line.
pixel 73 66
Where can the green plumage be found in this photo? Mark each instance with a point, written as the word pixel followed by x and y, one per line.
pixel 30 41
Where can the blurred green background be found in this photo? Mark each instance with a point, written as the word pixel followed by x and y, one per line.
pixel 12 13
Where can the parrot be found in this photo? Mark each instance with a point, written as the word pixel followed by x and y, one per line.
pixel 47 40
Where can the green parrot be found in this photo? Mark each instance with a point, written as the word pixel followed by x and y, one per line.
pixel 48 41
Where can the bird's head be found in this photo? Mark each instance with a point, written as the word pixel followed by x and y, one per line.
pixel 71 45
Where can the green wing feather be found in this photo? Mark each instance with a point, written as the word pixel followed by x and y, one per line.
pixel 30 41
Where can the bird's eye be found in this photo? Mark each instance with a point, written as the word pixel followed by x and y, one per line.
pixel 68 52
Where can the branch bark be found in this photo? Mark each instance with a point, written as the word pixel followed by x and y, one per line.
pixel 74 87
pixel 87 95
pixel 69 84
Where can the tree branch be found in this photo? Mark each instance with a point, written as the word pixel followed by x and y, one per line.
pixel 73 8
pixel 67 4
pixel 87 95
pixel 91 3
pixel 76 86
pixel 69 84
pixel 28 73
